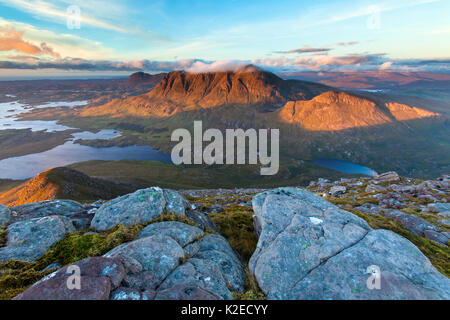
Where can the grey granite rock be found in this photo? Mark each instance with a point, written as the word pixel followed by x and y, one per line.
pixel 5 215
pixel 310 249
pixel 28 240
pixel 139 207
pixel 180 232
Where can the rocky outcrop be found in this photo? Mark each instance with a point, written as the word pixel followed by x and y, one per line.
pixel 139 207
pixel 80 215
pixel 216 249
pixel 154 262
pixel 413 223
pixel 442 209
pixel 46 208
pixel 387 176
pixel 5 215
pixel 337 190
pixel 170 260
pixel 28 240
pixel 148 261
pixel 182 233
pixel 414 205
pixel 310 249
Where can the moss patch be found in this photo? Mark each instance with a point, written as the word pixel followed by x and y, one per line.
pixel 236 224
pixel 252 290
pixel 3 236
pixel 16 276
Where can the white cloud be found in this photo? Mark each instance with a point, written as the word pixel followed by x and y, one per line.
pixel 217 66
pixel 67 45
pixel 386 66
pixel 45 9
pixel 318 62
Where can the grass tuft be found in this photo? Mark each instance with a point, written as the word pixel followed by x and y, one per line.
pixel 3 236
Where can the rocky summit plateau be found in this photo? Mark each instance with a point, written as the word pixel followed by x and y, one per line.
pixel 319 242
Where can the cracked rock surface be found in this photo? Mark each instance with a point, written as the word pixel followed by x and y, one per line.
pixel 139 207
pixel 169 260
pixel 310 249
pixel 29 240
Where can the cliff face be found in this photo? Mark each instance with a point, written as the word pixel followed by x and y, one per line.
pixel 333 111
pixel 249 85
pixel 179 91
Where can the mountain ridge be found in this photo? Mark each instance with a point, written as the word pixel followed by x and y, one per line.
pixel 63 183
pixel 313 106
pixel 181 91
pixel 332 111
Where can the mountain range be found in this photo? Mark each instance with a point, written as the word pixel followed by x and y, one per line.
pixel 380 131
pixel 313 106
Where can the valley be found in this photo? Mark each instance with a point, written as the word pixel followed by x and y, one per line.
pixel 315 122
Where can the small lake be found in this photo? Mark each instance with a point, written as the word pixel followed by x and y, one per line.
pixel 27 166
pixel 345 166
pixel 9 112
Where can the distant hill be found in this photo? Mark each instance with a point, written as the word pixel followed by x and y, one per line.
pixel 333 111
pixel 372 79
pixel 142 77
pixel 64 183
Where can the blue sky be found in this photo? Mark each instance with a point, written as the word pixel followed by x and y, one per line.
pixel 119 36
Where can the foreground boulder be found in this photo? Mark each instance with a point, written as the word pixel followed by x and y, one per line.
pixel 170 260
pixel 310 249
pixel 46 208
pixel 139 207
pixel 98 276
pixel 28 240
pixel 182 233
pixel 75 211
pixel 5 215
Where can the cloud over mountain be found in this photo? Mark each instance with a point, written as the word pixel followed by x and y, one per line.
pixel 217 66
pixel 323 61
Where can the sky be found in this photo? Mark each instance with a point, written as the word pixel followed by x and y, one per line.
pixel 43 38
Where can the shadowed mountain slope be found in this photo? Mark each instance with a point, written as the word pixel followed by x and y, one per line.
pixel 64 183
